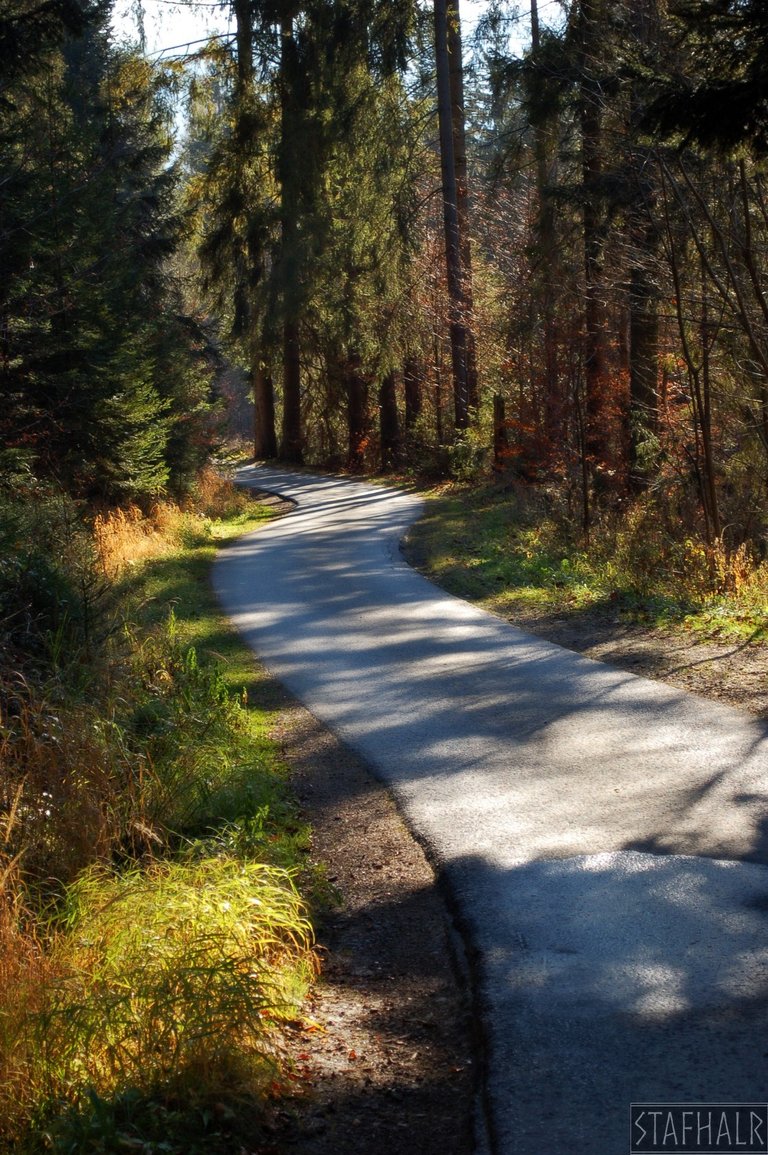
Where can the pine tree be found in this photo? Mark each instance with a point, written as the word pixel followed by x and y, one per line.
pixel 715 88
pixel 88 223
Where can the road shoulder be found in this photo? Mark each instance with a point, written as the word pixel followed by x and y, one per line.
pixel 388 1061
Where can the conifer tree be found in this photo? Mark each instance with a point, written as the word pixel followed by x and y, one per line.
pixel 88 222
pixel 714 90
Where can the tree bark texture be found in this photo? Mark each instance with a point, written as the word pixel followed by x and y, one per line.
pixel 389 423
pixel 643 367
pixel 413 386
pixel 264 434
pixel 643 293
pixel 357 412
pixel 595 324
pixel 457 304
pixel 500 435
pixel 458 121
pixel 264 437
pixel 292 443
pixel 291 447
pixel 545 229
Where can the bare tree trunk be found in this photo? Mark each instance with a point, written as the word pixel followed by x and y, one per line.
pixel 703 399
pixel 264 436
pixel 264 439
pixel 244 40
pixel 291 447
pixel 643 295
pixel 458 313
pixel 595 325
pixel 458 120
pixel 644 364
pixel 438 393
pixel 413 381
pixel 581 431
pixel 389 423
pixel 357 412
pixel 545 227
pixel 500 435
pixel 698 376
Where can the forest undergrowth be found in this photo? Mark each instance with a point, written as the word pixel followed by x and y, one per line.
pixel 508 546
pixel 152 933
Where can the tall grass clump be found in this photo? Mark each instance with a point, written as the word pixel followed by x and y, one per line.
pixel 152 937
pixel 170 978
pixel 66 779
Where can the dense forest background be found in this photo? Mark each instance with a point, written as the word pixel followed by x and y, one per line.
pixel 536 271
pixel 550 263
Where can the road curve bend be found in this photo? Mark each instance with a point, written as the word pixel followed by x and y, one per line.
pixel 604 837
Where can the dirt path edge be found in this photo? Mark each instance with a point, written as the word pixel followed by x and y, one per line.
pixel 390 1058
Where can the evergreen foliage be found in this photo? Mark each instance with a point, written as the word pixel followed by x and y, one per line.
pixel 619 298
pixel 716 92
pixel 88 223
pixel 306 203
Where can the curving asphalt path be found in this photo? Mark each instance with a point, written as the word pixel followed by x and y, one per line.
pixel 604 837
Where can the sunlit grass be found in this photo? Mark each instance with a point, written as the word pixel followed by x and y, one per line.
pixel 175 972
pixel 167 980
pixel 504 550
pixel 152 937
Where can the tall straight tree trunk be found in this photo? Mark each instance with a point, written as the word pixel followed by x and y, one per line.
pixel 291 446
pixel 357 412
pixel 703 404
pixel 413 384
pixel 597 420
pixel 643 363
pixel 698 366
pixel 389 423
pixel 438 391
pixel 545 228
pixel 500 435
pixel 457 302
pixel 264 431
pixel 264 435
pixel 244 40
pixel 643 295
pixel 458 120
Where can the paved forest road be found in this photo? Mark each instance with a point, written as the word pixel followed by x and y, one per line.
pixel 605 837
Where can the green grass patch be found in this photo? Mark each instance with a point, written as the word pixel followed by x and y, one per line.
pixel 152 933
pixel 178 585
pixel 506 551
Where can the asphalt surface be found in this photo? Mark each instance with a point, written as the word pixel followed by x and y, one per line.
pixel 604 837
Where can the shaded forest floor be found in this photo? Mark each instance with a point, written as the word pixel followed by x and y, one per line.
pixel 732 672
pixel 387 1061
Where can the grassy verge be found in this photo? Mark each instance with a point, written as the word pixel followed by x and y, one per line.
pixel 504 550
pixel 152 934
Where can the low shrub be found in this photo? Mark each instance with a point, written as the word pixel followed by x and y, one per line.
pixel 502 547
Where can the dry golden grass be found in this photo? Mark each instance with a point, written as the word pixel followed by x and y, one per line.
pixel 24 974
pixel 216 496
pixel 63 783
pixel 127 537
